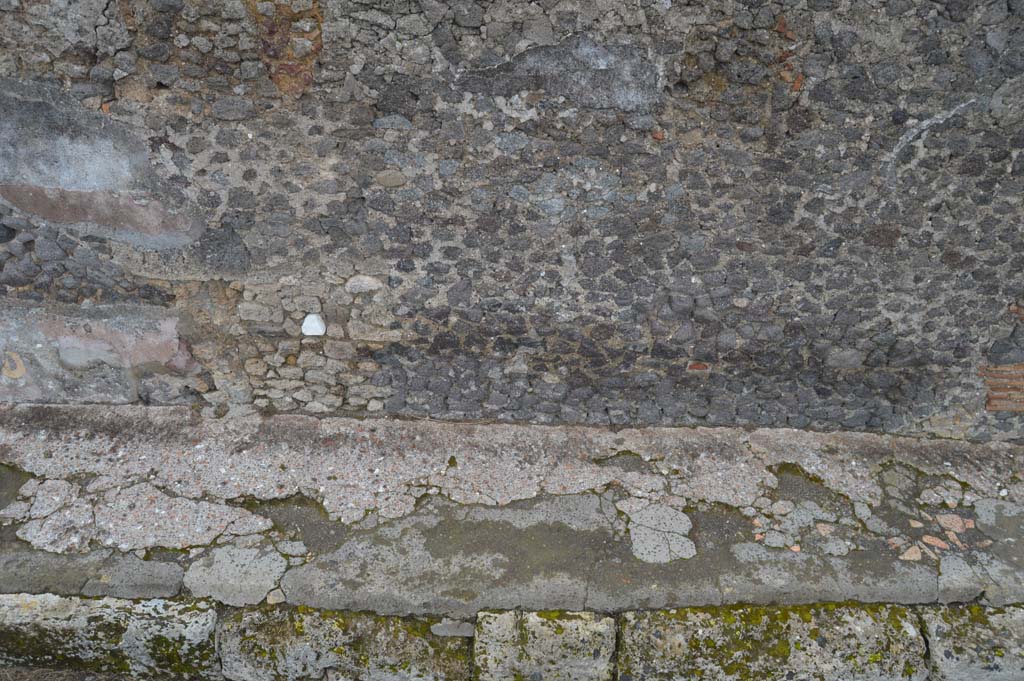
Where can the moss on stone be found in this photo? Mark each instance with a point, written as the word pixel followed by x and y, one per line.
pixel 747 642
pixel 358 640
pixel 177 657
pixel 95 650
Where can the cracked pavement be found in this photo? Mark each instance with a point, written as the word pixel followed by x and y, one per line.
pixel 419 517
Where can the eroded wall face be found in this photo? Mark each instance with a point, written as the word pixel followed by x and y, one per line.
pixel 803 213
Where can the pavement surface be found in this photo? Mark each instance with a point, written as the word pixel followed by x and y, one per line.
pixel 241 528
pixel 419 517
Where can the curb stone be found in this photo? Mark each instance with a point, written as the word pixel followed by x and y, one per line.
pixel 109 635
pixel 827 642
pixel 972 642
pixel 552 645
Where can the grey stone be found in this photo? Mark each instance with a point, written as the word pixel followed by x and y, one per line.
pixel 292 644
pixel 552 645
pixel 236 576
pixel 131 577
pixel 845 358
pixel 447 627
pixel 658 534
pixel 361 283
pixel 97 573
pixel 1007 102
pixel 393 122
pixel 832 643
pixel 972 642
pixel 233 108
pixel 142 638
pixel 583 71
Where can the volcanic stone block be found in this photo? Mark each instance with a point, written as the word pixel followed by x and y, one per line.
pixel 579 69
pixel 972 642
pixel 109 635
pixel 827 642
pixel 303 643
pixel 544 645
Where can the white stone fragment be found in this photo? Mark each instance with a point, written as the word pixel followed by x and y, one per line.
pixel 313 325
pixel 361 283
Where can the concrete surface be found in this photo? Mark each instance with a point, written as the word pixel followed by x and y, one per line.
pixel 415 517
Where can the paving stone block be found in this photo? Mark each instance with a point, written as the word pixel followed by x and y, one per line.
pixel 236 575
pixel 549 645
pixel 976 643
pixel 823 642
pixel 140 638
pixel 301 643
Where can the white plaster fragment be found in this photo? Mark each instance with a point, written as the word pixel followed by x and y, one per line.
pixel 313 325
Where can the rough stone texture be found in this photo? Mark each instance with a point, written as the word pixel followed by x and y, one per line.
pixel 719 302
pixel 92 354
pixel 236 576
pixel 78 169
pixel 971 642
pixel 111 640
pixel 98 573
pixel 831 643
pixel 303 644
pixel 546 645
pixel 789 214
pixel 109 635
pixel 412 517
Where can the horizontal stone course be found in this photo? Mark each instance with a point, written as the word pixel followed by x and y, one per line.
pixel 575 646
pixel 425 518
pixel 140 638
pixel 830 643
pixel 294 644
pixel 841 641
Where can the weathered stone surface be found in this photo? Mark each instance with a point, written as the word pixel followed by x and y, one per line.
pixel 291 644
pixel 236 576
pixel 142 517
pixel 658 533
pixel 448 519
pixel 112 639
pixel 78 168
pixel 972 642
pixel 833 643
pixel 657 214
pixel 97 573
pixel 579 69
pixel 85 355
pixel 544 645
pixel 109 635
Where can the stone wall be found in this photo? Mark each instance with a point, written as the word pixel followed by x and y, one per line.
pixel 800 213
pixel 828 642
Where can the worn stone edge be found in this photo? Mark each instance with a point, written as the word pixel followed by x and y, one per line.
pixel 112 655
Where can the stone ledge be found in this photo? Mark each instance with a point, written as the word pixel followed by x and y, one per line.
pixel 831 641
pixel 426 518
